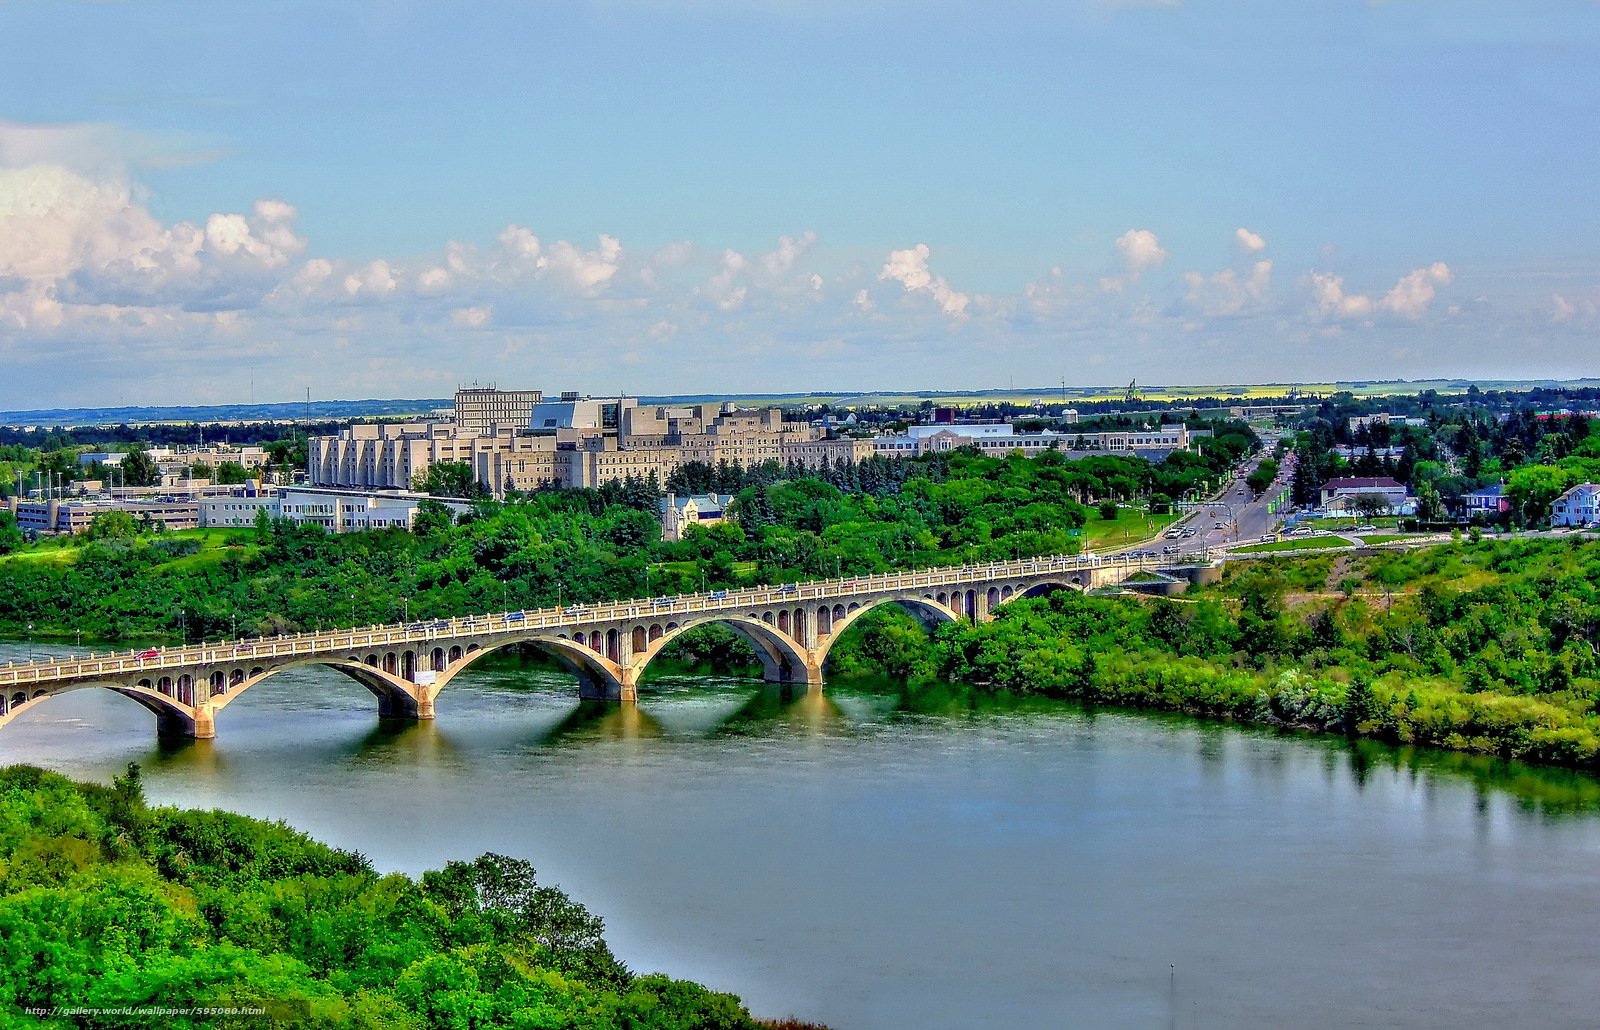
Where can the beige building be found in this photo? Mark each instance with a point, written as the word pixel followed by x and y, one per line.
pixel 573 442
pixel 480 409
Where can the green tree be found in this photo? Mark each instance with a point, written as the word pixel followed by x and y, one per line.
pixel 449 479
pixel 140 469
pixel 112 525
pixel 10 534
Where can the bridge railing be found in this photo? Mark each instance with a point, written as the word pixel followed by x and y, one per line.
pixel 155 662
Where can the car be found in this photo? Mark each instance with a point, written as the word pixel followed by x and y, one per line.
pixel 789 588
pixel 718 595
pixel 662 602
pixel 1268 537
pixel 152 652
pixel 515 616
pixel 1216 525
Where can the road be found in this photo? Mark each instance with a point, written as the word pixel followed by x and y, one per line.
pixel 1236 515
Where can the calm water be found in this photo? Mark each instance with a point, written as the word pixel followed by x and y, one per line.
pixel 938 860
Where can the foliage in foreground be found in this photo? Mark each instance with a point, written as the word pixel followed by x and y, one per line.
pixel 106 904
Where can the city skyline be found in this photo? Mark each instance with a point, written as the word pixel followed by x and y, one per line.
pixel 717 197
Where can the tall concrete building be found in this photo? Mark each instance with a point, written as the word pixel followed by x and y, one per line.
pixel 571 442
pixel 480 408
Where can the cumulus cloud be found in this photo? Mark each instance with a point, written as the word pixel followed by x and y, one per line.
pixel 1248 241
pixel 722 289
pixel 1409 299
pixel 471 318
pixel 520 244
pixel 910 269
pixel 1332 301
pixel 1414 292
pixel 1227 293
pixel 1141 251
pixel 789 250
pixel 375 280
pixel 433 281
pixel 90 242
pixel 587 270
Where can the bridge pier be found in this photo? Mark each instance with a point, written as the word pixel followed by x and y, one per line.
pixel 173 724
pixel 591 689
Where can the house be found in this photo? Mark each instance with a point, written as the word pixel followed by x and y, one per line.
pixel 1579 506
pixel 1488 503
pixel 1339 493
pixel 679 513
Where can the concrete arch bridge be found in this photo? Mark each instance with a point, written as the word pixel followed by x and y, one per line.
pixel 607 646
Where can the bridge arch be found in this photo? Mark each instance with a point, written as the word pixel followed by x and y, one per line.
pixel 783 659
pixel 582 654
pixel 928 610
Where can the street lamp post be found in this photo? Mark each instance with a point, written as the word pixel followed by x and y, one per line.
pixel 183 626
pixel 30 641
pixel 352 608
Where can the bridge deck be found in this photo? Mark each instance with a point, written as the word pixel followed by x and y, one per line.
pixel 126 663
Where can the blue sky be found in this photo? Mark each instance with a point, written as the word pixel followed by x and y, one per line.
pixel 387 199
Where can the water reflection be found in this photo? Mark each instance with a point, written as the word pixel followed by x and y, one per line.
pixel 969 858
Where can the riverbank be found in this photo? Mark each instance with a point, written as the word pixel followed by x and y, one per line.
pixel 106 903
pixel 1482 647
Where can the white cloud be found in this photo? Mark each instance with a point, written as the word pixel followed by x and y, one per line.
pixel 1228 293
pixel 471 318
pixel 587 270
pixel 1248 241
pixel 433 281
pixel 909 268
pixel 1409 298
pixel 520 244
pixel 1328 292
pixel 788 251
pixel 1415 290
pixel 1141 251
pixel 375 280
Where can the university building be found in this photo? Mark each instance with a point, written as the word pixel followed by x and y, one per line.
pixel 518 440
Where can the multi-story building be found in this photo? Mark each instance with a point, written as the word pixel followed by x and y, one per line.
pixel 338 511
pixel 41 517
pixel 574 442
pixel 1002 438
pixel 1579 506
pixel 479 409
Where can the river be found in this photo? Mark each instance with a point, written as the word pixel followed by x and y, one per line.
pixel 936 859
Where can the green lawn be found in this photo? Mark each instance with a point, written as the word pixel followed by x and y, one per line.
pixel 1344 524
pixel 1387 538
pixel 1308 543
pixel 1130 526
